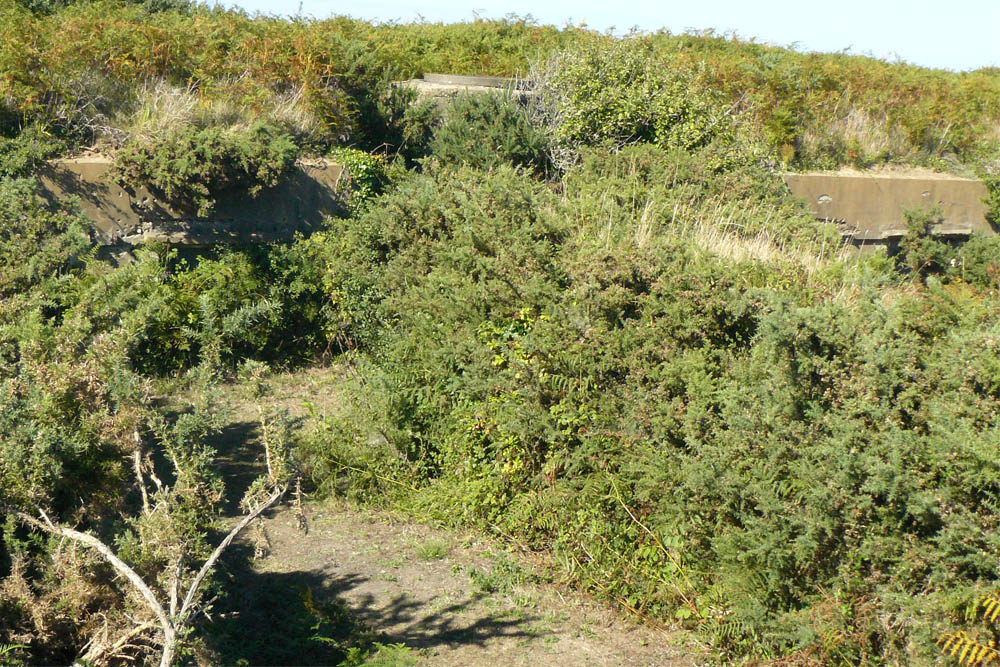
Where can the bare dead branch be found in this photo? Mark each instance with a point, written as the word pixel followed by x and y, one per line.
pixel 98 546
pixel 175 586
pixel 137 464
pixel 152 473
pixel 210 563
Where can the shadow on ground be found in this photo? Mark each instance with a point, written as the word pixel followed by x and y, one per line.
pixel 239 454
pixel 240 460
pixel 299 618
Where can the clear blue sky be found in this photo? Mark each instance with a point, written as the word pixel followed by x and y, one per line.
pixel 953 34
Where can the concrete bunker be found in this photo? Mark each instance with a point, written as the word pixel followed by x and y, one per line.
pixel 125 217
pixel 449 85
pixel 870 207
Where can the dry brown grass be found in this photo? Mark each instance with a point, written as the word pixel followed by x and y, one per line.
pixel 864 137
pixel 62 617
pixel 160 108
pixel 722 230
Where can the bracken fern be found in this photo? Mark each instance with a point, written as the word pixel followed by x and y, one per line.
pixel 968 649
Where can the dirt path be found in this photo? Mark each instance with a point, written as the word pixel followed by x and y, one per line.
pixel 456 601
pixel 448 598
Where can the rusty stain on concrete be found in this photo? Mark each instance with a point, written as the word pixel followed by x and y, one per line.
pixel 300 203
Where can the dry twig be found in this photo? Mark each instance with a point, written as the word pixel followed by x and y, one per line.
pixel 173 621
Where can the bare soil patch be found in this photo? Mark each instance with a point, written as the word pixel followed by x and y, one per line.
pixel 456 600
pixel 451 598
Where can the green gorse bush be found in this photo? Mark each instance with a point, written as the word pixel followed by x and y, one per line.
pixel 696 438
pixel 189 167
pixel 487 130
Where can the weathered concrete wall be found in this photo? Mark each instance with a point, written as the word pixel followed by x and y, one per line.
pixel 870 207
pixel 298 204
pixel 449 85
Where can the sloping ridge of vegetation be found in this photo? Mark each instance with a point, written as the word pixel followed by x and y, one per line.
pixel 595 325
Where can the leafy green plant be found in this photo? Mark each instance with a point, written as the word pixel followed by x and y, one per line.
pixel 85 456
pixel 161 551
pixel 619 93
pixel 363 177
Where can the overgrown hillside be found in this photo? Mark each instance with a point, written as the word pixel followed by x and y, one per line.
pixel 107 70
pixel 594 324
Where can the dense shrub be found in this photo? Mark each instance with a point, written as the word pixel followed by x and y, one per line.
pixel 920 252
pixel 695 437
pixel 152 6
pixel 622 92
pixel 978 261
pixel 23 153
pixel 189 167
pixel 823 110
pixel 416 128
pixel 486 130
pixel 37 244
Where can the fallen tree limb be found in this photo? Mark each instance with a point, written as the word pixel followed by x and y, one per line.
pixel 172 622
